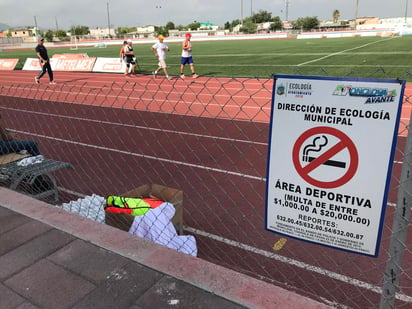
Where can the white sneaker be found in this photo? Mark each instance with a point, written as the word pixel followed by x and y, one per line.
pixel 195 75
pixel 169 78
pixel 52 83
pixel 154 74
pixel 36 80
pixel 182 76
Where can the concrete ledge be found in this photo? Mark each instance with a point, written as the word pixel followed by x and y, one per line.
pixel 216 279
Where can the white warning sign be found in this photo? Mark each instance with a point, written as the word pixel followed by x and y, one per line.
pixel 331 148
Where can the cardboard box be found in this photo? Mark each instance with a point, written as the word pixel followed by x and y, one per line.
pixel 11 157
pixel 174 196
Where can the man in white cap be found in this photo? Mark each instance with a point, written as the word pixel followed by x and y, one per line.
pixel 159 49
pixel 41 52
pixel 130 58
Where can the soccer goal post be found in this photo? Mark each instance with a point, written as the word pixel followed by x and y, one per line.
pixel 74 42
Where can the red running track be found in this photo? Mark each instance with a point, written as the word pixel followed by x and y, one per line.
pixel 206 136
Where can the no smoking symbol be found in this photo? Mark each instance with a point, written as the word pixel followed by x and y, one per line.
pixel 314 151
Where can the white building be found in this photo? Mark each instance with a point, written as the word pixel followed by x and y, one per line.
pixel 102 32
pixel 399 25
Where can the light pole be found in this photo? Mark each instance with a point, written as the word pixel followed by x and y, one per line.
pixel 406 11
pixel 35 24
pixel 356 12
pixel 241 12
pixel 108 19
pixel 286 10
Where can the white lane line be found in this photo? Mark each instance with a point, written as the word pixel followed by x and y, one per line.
pixel 153 157
pixel 226 172
pixel 165 96
pixel 293 65
pixel 304 266
pixel 144 128
pixel 341 52
pixel 142 155
pixel 289 54
pixel 213 169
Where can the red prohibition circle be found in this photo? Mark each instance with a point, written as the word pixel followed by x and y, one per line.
pixel 344 143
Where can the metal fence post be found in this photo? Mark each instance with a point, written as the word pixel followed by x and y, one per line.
pixel 399 229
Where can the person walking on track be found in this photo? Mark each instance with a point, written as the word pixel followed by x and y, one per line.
pixel 121 55
pixel 130 58
pixel 159 49
pixel 187 57
pixel 41 52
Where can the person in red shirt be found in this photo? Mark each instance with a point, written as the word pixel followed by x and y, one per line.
pixel 187 57
pixel 122 56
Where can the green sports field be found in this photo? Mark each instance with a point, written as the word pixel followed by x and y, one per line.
pixel 380 57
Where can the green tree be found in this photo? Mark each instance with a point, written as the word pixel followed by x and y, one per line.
pixel 161 31
pixel 49 36
pixel 227 25
pixel 234 23
pixel 306 23
pixel 335 16
pixel 248 27
pixel 170 26
pixel 61 34
pixel 9 32
pixel 276 24
pixel 79 30
pixel 194 26
pixel 122 30
pixel 125 30
pixel 261 17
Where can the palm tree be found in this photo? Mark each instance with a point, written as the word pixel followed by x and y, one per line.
pixel 335 15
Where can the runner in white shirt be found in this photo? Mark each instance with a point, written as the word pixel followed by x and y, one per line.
pixel 187 57
pixel 159 49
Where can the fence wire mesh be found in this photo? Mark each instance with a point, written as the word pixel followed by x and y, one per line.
pixel 201 145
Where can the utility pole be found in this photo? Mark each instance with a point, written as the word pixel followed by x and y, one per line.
pixel 108 19
pixel 286 10
pixel 35 24
pixel 241 12
pixel 356 12
pixel 57 25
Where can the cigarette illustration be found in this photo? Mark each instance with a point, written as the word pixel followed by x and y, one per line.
pixel 318 143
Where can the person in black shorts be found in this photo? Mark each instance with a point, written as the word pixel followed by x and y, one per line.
pixel 41 52
pixel 130 58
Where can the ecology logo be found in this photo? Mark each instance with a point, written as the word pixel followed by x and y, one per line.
pixel 280 90
pixel 373 95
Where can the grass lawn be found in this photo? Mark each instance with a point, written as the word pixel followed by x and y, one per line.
pixel 379 57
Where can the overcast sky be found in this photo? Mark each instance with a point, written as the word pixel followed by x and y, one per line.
pixel 94 13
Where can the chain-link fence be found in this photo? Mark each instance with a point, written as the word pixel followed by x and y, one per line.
pixel 201 145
